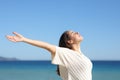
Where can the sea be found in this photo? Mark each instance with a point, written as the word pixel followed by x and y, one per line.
pixel 44 70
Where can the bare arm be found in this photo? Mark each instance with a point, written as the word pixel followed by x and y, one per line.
pixel 41 44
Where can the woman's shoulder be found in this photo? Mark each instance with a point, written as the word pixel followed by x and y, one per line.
pixel 63 49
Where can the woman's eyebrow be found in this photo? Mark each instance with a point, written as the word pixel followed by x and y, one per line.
pixel 72 32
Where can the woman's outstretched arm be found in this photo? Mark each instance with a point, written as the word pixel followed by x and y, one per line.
pixel 19 38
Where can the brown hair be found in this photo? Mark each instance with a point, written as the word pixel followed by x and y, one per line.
pixel 63 42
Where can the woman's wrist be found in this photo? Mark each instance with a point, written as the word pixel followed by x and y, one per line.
pixel 24 39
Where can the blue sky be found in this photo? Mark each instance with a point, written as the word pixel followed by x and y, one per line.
pixel 98 21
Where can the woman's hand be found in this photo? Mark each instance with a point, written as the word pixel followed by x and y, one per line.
pixel 16 38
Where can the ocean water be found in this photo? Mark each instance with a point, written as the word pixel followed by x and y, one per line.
pixel 44 70
pixel 106 70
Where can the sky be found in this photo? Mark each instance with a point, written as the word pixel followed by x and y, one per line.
pixel 98 21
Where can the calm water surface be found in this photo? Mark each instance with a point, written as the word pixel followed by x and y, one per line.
pixel 44 70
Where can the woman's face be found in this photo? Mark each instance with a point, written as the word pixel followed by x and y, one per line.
pixel 75 37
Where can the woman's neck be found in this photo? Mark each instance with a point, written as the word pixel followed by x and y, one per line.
pixel 76 47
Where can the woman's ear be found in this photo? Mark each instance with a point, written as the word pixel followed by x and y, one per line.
pixel 69 41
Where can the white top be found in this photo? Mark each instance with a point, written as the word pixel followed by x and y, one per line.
pixel 72 65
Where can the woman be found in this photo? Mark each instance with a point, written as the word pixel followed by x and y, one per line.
pixel 72 64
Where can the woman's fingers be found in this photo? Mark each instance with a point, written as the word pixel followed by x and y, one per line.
pixel 11 38
pixel 15 33
pixel 16 38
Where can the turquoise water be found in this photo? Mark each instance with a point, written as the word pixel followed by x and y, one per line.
pixel 106 70
pixel 44 70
